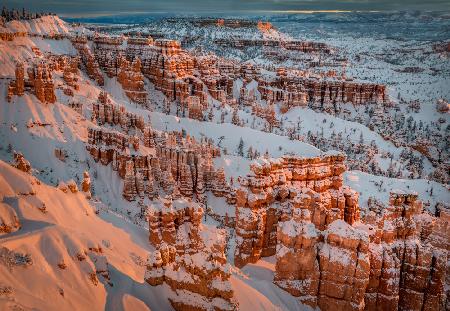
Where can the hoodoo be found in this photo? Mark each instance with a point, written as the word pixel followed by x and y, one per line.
pixel 168 162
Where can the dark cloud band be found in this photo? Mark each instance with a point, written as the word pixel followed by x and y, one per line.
pixel 91 7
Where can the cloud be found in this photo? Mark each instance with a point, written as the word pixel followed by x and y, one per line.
pixel 228 6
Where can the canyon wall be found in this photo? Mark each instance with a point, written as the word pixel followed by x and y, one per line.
pixel 39 82
pixel 92 67
pixel 395 258
pixel 39 79
pixel 189 257
pixel 268 194
pixel 408 256
pixel 326 95
pixel 132 80
pixel 148 160
pixel 187 78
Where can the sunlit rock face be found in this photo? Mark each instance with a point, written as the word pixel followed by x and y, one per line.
pixel 89 61
pixel 166 65
pixel 329 268
pixel 189 257
pixel 298 210
pixel 394 261
pixel 21 163
pixel 132 80
pixel 326 95
pixel 39 82
pixel 268 194
pixel 17 86
pixel 148 160
pixel 40 78
pixel 408 256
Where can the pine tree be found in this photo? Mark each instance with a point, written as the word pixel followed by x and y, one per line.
pixel 235 118
pixel 250 153
pixel 241 148
pixel 210 115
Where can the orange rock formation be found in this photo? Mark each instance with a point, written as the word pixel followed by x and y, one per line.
pixel 190 257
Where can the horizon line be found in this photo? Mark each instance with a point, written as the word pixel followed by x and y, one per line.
pixel 231 13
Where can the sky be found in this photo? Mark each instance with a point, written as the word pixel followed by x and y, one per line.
pixel 111 7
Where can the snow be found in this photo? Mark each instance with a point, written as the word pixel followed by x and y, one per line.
pixel 46 25
pixel 344 230
pixel 70 226
pixel 131 303
pixel 67 228
pixel 254 289
pixel 261 141
pixel 380 187
pixel 219 206
pixel 311 120
pixel 8 217
pixel 58 47
pixel 179 275
pixel 234 166
pixel 292 229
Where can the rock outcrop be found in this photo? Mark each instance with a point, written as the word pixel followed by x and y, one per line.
pixel 130 190
pixel 167 65
pixel 9 221
pixel 297 209
pixel 21 163
pixel 17 87
pixel 323 94
pixel 189 257
pixel 269 192
pixel 86 184
pixel 290 45
pixel 105 112
pixel 132 80
pixel 109 52
pixel 39 81
pixel 442 106
pixel 408 257
pixel 154 159
pixel 195 108
pixel 188 79
pixel 329 268
pixel 88 59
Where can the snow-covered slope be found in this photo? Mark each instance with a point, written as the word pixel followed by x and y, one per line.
pixel 68 246
pixel 74 253
pixel 46 25
pixel 89 262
